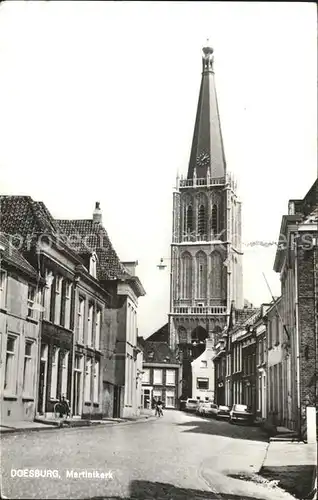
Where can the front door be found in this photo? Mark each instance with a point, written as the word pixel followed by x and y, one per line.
pixel 41 387
pixel 76 410
pixel 116 406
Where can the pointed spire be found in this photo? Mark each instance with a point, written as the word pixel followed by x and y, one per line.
pixel 207 153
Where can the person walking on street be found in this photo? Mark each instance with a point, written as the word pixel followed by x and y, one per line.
pixel 159 411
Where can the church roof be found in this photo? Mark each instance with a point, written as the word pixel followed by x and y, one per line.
pixel 207 152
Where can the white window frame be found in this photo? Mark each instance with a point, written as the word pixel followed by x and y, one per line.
pixel 48 294
pixel 87 380
pixel 64 373
pixel 54 372
pixel 3 289
pixel 98 324
pixel 28 369
pixel 155 379
pixel 58 299
pixel 173 373
pixel 90 319
pixel 10 374
pixel 96 382
pixel 205 379
pixel 171 393
pixel 146 379
pixel 80 319
pixel 67 304
pixel 157 394
pixel 31 300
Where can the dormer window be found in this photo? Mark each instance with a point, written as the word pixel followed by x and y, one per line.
pixel 92 265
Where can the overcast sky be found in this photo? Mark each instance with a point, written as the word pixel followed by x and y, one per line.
pixel 98 102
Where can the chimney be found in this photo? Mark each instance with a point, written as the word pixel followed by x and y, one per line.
pixel 97 214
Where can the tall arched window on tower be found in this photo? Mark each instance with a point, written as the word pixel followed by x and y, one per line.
pixel 215 220
pixel 201 261
pixel 202 220
pixel 186 276
pixel 189 222
pixel 216 275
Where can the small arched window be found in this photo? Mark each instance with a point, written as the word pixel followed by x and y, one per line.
pixel 202 220
pixel 189 224
pixel 215 222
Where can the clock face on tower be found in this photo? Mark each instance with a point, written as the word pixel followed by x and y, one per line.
pixel 203 159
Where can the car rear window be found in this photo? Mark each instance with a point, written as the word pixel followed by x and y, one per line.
pixel 214 406
pixel 241 408
pixel 192 401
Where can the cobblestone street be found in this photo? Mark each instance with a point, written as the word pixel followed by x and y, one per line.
pixel 163 458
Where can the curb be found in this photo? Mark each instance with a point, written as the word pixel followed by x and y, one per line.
pixel 50 427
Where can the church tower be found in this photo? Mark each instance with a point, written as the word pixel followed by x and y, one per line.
pixel 206 256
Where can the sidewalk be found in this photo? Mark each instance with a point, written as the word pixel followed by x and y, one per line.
pixel 294 465
pixel 48 424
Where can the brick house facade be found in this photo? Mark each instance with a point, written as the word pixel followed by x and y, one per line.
pixel 296 261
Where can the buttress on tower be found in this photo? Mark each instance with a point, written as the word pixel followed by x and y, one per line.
pixel 206 256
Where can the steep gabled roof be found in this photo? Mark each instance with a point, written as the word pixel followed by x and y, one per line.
pixel 158 352
pixel 25 218
pixel 85 237
pixel 161 335
pixel 10 255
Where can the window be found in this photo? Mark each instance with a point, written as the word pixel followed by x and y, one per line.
pixel 189 223
pixel 58 299
pixel 64 373
pixel 157 394
pixel 80 320
pixel 96 382
pixel 203 383
pixel 3 289
pixel 204 363
pixel 170 399
pixel 48 294
pixel 277 330
pixel 10 377
pixel 90 324
pixel 92 265
pixel 28 371
pixel 31 300
pixel 88 371
pixel 97 329
pixel 170 377
pixel 202 221
pixel 157 376
pixel 55 360
pixel 215 225
pixel 146 376
pixel 66 304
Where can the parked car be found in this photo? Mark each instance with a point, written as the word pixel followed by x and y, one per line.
pixel 192 404
pixel 223 412
pixel 202 407
pixel 211 410
pixel 241 413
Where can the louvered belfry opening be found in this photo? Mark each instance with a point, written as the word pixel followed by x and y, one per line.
pixel 215 225
pixel 202 220
pixel 189 219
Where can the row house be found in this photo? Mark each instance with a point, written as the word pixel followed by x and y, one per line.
pixel 234 360
pixel 277 366
pixel 80 326
pixel 161 375
pixel 19 334
pixel 261 364
pixel 296 261
pixel 203 374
